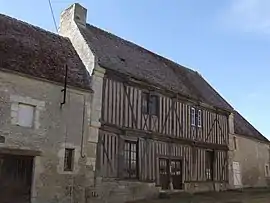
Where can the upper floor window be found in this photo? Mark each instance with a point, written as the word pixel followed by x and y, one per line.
pixel 199 117
pixel 193 116
pixel 131 159
pixel 150 104
pixel 234 143
pixel 267 172
pixel 25 115
pixel 196 117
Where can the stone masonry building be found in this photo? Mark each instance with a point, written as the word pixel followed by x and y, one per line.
pixel 44 155
pixel 249 156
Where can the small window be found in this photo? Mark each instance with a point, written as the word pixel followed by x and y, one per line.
pixel 209 164
pixel 267 172
pixel 25 115
pixel 145 103
pixel 199 118
pixel 193 116
pixel 131 159
pixel 154 105
pixel 234 143
pixel 69 159
pixel 150 104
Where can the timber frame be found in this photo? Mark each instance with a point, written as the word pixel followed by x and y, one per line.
pixel 168 135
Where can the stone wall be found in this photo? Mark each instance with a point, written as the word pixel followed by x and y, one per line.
pixel 117 191
pixel 252 156
pixel 205 187
pixel 55 128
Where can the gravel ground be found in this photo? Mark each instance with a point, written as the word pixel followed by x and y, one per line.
pixel 247 196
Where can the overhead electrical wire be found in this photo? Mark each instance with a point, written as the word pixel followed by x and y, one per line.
pixel 52 13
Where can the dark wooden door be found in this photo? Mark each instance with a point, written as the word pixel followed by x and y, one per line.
pixel 15 178
pixel 176 174
pixel 164 173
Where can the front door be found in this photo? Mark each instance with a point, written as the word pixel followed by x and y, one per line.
pixel 15 178
pixel 237 180
pixel 164 173
pixel 176 174
pixel 170 170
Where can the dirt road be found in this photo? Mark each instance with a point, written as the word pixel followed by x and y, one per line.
pixel 247 196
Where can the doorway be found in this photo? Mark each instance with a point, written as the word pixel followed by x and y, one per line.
pixel 170 170
pixel 15 178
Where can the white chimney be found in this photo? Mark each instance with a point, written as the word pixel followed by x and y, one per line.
pixel 75 13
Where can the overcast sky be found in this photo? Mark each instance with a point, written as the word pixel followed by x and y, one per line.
pixel 226 41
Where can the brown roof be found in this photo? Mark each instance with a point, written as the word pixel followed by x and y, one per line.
pixel 36 52
pixel 243 127
pixel 128 58
pixel 125 57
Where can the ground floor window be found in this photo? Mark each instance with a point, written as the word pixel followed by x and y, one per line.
pixel 209 164
pixel 131 159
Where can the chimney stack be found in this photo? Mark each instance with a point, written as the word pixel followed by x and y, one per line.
pixel 75 13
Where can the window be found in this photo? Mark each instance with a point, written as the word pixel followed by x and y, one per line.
pixel 69 159
pixel 234 143
pixel 199 117
pixel 196 117
pixel 267 172
pixel 145 103
pixel 130 159
pixel 150 104
pixel 193 116
pixel 209 159
pixel 25 115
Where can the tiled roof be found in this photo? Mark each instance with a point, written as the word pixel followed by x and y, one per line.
pixel 31 50
pixel 125 57
pixel 243 127
pixel 128 58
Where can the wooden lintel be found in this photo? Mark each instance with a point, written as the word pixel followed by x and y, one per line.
pixel 23 152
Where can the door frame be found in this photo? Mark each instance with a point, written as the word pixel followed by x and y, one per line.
pixel 174 158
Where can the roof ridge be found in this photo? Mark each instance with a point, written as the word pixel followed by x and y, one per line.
pixel 33 26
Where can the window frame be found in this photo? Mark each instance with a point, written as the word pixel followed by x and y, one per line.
pixel 128 167
pixel 235 147
pixel 66 167
pixel 152 98
pixel 148 100
pixel 193 116
pixel 19 123
pixel 145 102
pixel 267 170
pixel 199 118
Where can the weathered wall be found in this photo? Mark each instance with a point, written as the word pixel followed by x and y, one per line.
pixel 117 191
pixel 55 128
pixel 252 155
pixel 72 20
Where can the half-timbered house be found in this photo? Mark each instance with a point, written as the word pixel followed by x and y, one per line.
pixel 161 124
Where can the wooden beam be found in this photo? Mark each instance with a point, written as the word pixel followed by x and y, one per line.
pixel 161 137
pixel 166 92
